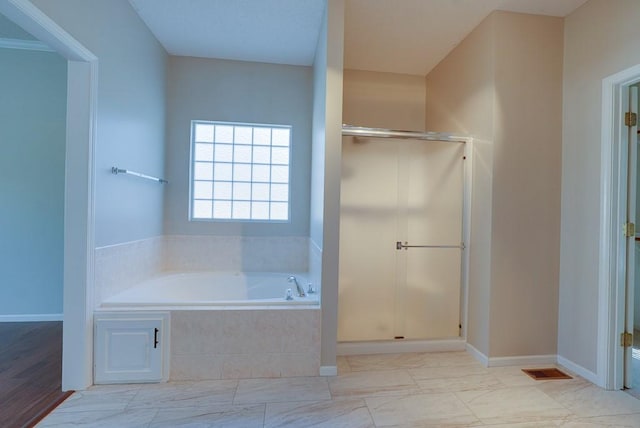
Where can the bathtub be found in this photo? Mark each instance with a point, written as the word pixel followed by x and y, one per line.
pixel 230 325
pixel 214 289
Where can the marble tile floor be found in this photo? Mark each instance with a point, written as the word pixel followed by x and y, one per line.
pixel 393 390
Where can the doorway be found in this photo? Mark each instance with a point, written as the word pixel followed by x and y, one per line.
pixel 617 230
pixel 82 85
pixel 401 250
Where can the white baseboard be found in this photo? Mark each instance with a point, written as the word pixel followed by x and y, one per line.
pixel 328 371
pixel 30 317
pixel 524 360
pixel 482 359
pixel 580 371
pixel 399 346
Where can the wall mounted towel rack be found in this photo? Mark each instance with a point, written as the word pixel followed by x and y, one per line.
pixel 116 170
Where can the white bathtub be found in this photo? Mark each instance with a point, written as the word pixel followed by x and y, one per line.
pixel 214 289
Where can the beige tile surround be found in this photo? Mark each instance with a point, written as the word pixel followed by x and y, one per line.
pixel 244 343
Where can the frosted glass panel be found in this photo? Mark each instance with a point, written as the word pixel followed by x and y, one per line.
pixel 368 216
pixel 203 171
pixel 280 137
pixel 224 153
pixel 432 293
pixel 224 134
pixel 262 136
pixel 222 171
pixel 261 154
pixel 242 154
pixel 243 135
pixel 279 211
pixel 204 133
pixel 408 191
pixel 204 152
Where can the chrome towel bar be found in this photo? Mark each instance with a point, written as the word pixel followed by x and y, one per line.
pixel 400 246
pixel 116 170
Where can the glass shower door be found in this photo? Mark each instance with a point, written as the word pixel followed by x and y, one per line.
pixel 368 223
pixel 430 221
pixel 400 237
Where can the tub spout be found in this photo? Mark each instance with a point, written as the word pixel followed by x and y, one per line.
pixel 293 279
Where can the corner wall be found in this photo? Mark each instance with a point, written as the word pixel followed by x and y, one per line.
pixel 503 86
pixel 384 100
pixel 589 57
pixel 460 98
pixel 326 172
pixel 131 113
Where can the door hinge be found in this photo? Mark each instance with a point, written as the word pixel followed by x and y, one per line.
pixel 630 119
pixel 626 339
pixel 629 230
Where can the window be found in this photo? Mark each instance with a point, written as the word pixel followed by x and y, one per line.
pixel 239 171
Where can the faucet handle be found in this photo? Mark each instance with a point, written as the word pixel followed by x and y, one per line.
pixel 310 289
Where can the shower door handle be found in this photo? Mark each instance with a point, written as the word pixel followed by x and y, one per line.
pixel 400 246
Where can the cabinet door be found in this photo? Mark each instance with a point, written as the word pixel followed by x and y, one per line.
pixel 128 350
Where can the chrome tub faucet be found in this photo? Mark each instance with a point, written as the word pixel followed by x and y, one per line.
pixel 293 279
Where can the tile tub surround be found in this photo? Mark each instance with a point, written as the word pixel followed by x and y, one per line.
pixel 244 343
pixel 236 253
pixel 119 267
pixel 408 390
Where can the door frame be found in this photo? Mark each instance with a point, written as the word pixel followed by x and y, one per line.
pixel 435 345
pixel 613 215
pixel 79 218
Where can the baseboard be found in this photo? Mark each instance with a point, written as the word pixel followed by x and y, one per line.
pixel 30 317
pixel 328 371
pixel 524 360
pixel 399 346
pixel 479 356
pixel 580 371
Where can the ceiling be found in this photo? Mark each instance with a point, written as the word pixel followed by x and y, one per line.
pixel 275 31
pixel 401 36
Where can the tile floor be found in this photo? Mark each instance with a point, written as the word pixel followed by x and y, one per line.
pixel 396 390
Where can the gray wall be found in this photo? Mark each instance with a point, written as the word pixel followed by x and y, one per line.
pixel 10 30
pixel 131 113
pixel 32 136
pixel 235 91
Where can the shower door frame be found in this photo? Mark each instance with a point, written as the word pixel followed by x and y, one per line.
pixel 426 345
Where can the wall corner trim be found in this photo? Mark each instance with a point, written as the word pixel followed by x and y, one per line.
pixel 25 45
pixel 479 356
pixel 581 371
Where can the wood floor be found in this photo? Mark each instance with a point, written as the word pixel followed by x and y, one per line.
pixel 30 371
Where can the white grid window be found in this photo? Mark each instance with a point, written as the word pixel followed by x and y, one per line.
pixel 239 171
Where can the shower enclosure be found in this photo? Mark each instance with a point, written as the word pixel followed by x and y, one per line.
pixel 401 235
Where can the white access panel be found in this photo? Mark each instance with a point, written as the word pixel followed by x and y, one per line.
pixel 131 348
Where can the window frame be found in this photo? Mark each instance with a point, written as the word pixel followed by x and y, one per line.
pixel 232 181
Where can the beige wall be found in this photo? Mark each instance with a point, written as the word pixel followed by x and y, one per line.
pixel 384 100
pixel 526 185
pixel 460 98
pixel 502 85
pixel 601 39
